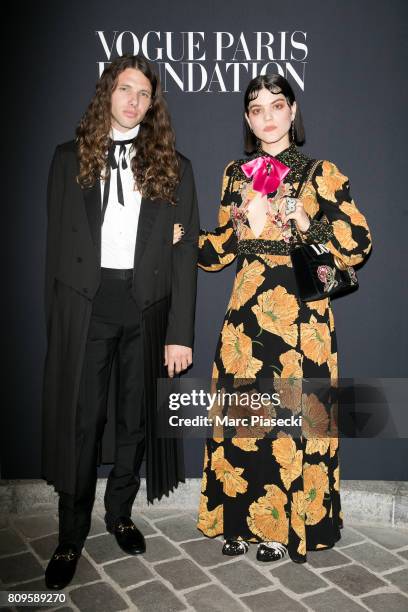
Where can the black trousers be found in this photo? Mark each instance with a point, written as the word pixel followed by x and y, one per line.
pixel 115 329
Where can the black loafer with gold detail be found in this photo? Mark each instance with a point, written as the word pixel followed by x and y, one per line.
pixel 61 568
pixel 127 535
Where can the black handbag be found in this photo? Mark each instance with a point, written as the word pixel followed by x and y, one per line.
pixel 319 274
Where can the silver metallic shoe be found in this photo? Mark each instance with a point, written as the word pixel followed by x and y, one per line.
pixel 270 551
pixel 235 547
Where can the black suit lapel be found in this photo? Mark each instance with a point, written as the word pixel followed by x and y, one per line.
pixel 93 204
pixel 147 218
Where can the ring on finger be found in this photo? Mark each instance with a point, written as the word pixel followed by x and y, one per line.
pixel 290 206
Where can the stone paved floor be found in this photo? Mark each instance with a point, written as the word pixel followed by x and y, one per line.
pixel 182 570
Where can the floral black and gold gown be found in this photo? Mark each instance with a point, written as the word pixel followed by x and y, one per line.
pixel 282 488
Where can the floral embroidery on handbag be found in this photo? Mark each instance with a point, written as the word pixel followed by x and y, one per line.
pixel 327 276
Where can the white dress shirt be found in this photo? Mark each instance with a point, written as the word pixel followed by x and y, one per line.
pixel 119 228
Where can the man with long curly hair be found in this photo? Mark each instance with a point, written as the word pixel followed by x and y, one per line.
pixel 120 303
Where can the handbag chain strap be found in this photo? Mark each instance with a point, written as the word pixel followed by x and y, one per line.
pixel 307 175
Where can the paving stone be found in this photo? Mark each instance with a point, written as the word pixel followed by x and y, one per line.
pixel 155 596
pixel 212 598
pixel 19 567
pixel 349 536
pixel 403 553
pixel 44 547
pixel 392 602
pixel 85 572
pixel 30 587
pixel 354 579
pixel 386 536
pixel 36 526
pixel 401 506
pixel 33 585
pixel 272 600
pixel 326 558
pixel 155 514
pixel 97 596
pixel 374 557
pixel 97 526
pixel 104 548
pixel 399 578
pixel 159 549
pixel 143 525
pixel 182 573
pixel 128 571
pixel 206 552
pixel 10 542
pixel 331 600
pixel 179 528
pixel 240 577
pixel 297 578
pixel 4 521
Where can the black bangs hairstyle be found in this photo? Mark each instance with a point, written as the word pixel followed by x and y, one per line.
pixel 275 83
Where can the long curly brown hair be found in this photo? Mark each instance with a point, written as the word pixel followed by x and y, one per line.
pixel 155 166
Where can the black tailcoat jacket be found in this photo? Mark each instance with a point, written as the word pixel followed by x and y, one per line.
pixel 164 287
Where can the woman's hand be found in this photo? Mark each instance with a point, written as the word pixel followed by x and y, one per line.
pixel 178 231
pixel 292 208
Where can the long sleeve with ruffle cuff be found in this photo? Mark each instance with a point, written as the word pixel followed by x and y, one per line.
pixel 343 228
pixel 218 248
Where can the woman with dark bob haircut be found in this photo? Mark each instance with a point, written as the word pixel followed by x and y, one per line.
pixel 260 483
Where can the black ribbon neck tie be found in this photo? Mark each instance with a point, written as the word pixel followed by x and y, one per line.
pixel 115 165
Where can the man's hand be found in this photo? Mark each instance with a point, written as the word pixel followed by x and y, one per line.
pixel 177 358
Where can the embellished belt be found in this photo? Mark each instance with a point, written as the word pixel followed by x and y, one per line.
pixel 257 246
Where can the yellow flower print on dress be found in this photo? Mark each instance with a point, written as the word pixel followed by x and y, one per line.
pixel 315 485
pixel 309 200
pixel 290 459
pixel 331 181
pixel 315 340
pixel 331 319
pixel 230 476
pixel 344 235
pixel 246 283
pixel 315 420
pixel 332 363
pixel 267 516
pixel 217 242
pixel 355 215
pixel 336 475
pixel 224 215
pixel 245 444
pixel 334 445
pixel 236 352
pixel 317 445
pixel 204 482
pixel 297 520
pixel 318 305
pixel 276 260
pixel 289 383
pixel 210 521
pixel 276 312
